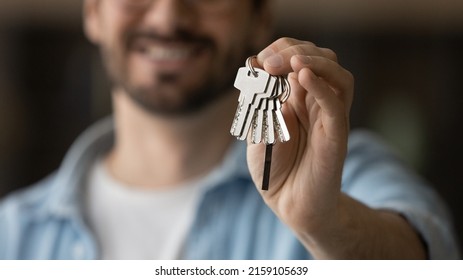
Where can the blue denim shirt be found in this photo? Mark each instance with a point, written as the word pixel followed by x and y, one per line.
pixel 46 221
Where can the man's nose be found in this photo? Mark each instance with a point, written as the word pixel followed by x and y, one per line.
pixel 168 16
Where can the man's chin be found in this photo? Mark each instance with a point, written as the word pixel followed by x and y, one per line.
pixel 173 104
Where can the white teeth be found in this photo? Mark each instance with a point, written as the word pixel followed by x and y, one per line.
pixel 164 53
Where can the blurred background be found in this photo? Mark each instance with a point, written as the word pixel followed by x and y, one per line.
pixel 407 57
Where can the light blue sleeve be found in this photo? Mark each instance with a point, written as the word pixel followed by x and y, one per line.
pixel 16 212
pixel 377 178
pixel 7 228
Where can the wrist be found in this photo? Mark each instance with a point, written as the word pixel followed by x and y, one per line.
pixel 337 235
pixel 360 232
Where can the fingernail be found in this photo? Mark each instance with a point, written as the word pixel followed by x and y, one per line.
pixel 264 54
pixel 274 61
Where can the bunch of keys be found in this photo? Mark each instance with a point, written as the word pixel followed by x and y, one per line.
pixel 259 110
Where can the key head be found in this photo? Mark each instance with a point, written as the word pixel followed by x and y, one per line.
pixel 255 100
pixel 245 81
pixel 250 86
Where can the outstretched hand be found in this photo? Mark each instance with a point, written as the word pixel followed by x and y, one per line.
pixel 306 172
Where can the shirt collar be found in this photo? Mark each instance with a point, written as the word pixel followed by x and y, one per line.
pixel 66 189
pixel 72 174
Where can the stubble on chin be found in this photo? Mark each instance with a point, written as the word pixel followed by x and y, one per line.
pixel 169 101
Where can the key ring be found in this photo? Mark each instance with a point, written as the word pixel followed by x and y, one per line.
pixel 250 67
pixel 287 88
pixel 287 91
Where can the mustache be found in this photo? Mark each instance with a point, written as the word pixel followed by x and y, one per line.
pixel 178 36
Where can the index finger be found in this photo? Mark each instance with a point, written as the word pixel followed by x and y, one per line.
pixel 276 58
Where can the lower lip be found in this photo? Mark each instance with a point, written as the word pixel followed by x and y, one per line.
pixel 168 55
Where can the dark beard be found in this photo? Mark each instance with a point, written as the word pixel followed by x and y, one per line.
pixel 189 103
pixel 157 101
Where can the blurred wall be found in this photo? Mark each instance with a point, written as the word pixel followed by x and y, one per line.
pixel 406 57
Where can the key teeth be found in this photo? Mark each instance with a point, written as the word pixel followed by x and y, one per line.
pixel 256 135
pixel 283 140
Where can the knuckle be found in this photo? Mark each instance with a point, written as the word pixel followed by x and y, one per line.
pixel 330 54
pixel 288 41
pixel 346 82
pixel 299 49
pixel 285 41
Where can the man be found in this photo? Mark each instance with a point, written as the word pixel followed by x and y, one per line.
pixel 165 179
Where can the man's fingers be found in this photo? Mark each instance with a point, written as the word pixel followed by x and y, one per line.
pixel 338 78
pixel 276 58
pixel 320 90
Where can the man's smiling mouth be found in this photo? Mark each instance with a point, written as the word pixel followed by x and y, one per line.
pixel 169 53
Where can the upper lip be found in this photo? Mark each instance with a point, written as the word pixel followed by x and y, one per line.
pixel 167 49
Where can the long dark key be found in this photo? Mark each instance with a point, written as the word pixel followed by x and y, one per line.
pixel 267 166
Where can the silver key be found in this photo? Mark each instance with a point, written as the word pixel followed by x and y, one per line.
pixel 280 124
pixel 257 124
pixel 258 120
pixel 259 98
pixel 269 126
pixel 249 86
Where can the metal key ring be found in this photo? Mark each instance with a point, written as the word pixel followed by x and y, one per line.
pixel 250 67
pixel 287 91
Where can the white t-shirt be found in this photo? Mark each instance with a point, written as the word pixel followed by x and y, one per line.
pixel 135 223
